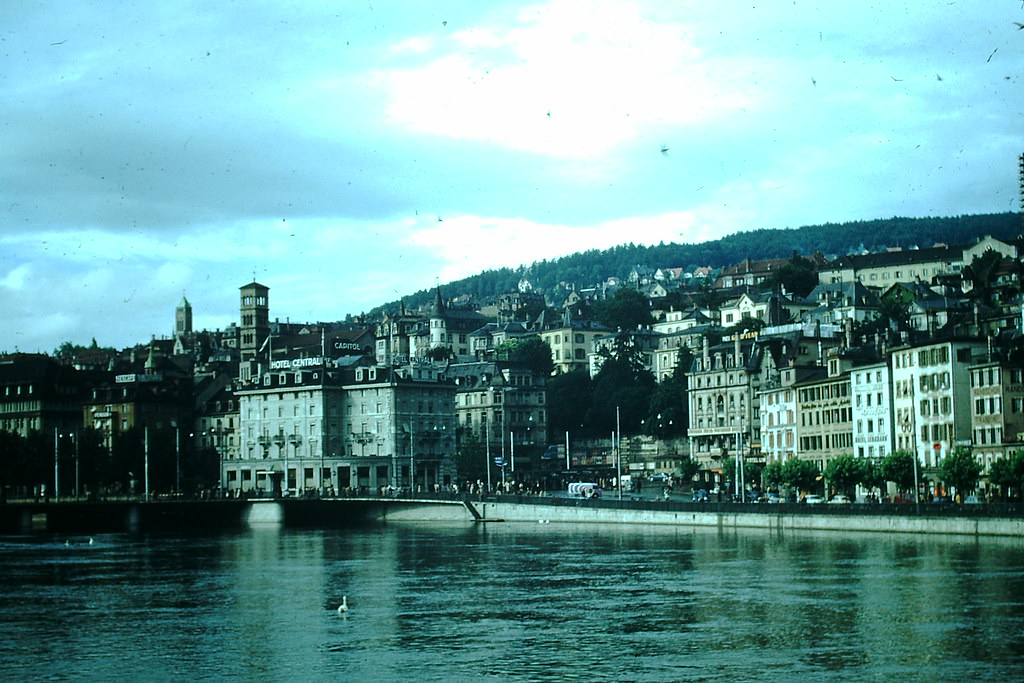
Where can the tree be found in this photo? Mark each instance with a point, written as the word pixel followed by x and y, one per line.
pixel 799 276
pixel 627 309
pixel 687 469
pixel 801 475
pixel 898 467
pixel 1007 473
pixel 621 394
pixel 960 470
pixel 569 398
pixel 470 457
pixel 894 313
pixel 844 472
pixel 772 475
pixel 667 413
pixel 981 273
pixel 531 352
pixel 872 474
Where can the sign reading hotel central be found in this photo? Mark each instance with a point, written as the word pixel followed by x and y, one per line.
pixel 296 363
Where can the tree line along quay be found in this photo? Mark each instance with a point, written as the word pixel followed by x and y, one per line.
pixel 895 376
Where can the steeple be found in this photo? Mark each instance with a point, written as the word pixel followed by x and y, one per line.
pixel 183 317
pixel 438 308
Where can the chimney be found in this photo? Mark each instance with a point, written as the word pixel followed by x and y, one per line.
pixel 736 348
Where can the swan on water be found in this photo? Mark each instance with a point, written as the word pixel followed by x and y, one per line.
pixel 343 607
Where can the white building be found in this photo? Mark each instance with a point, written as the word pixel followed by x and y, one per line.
pixel 931 398
pixel 873 435
pixel 308 426
pixel 778 418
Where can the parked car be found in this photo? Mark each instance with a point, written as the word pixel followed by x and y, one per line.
pixel 814 499
pixel 700 496
pixel 839 499
pixel 661 477
pixel 774 498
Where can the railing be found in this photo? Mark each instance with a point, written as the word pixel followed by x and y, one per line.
pixel 983 510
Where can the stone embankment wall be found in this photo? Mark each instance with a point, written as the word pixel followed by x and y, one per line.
pixel 782 521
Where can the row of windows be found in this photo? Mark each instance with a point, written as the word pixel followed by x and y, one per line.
pixel 718 403
pixel 824 392
pixel 935 406
pixel 826 441
pixel 872 426
pixel 937 432
pixel 938 355
pixel 994 405
pixel 938 381
pixel 775 421
pixel 866 376
pixel 868 398
pixel 811 418
pixel 989 377
pixel 577 338
pixel 776 440
pixel 871 452
pixel 777 397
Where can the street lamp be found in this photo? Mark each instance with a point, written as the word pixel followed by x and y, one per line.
pixel 56 466
pixel 412 460
pixel 177 457
pixel 487 449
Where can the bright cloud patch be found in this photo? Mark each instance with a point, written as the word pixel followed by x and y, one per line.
pixel 537 87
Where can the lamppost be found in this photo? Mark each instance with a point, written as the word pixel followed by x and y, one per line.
pixel 618 454
pixel 145 449
pixel 412 460
pixel 281 450
pixel 177 457
pixel 487 449
pixel 56 465
pixel 75 436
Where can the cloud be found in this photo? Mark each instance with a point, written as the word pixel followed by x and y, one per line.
pixel 533 85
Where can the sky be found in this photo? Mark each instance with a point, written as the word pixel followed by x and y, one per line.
pixel 345 154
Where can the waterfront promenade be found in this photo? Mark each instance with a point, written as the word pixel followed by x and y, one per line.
pixel 90 517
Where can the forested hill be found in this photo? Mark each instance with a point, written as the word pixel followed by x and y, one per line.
pixel 588 268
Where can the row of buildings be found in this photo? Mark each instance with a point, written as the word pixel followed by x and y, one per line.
pixel 388 403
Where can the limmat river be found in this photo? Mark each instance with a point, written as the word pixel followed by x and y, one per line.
pixel 503 602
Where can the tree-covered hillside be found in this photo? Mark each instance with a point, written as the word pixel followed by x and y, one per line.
pixel 588 268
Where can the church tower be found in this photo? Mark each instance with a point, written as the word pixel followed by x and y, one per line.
pixel 183 318
pixel 254 327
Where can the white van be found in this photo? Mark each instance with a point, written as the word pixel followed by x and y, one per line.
pixel 584 490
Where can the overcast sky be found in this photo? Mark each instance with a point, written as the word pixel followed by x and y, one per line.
pixel 347 153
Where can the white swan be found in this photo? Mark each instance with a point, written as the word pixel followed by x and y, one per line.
pixel 343 607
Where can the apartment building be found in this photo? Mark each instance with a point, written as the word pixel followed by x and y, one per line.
pixel 398 427
pixel 289 430
pixel 779 410
pixel 504 405
pixel 676 345
pixel 997 410
pixel 723 384
pixel 643 343
pixel 313 425
pixel 873 423
pixel 571 340
pixel 931 397
pixel 824 415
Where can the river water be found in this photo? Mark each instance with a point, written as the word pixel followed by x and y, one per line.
pixel 504 602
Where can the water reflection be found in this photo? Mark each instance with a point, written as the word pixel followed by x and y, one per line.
pixel 509 601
